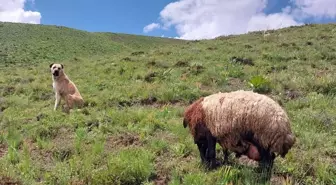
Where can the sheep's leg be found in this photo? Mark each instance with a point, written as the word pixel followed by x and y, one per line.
pixel 226 156
pixel 202 149
pixel 211 152
pixel 266 164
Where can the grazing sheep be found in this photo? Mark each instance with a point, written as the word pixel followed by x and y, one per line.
pixel 241 121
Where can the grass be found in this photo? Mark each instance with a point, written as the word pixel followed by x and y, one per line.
pixel 136 89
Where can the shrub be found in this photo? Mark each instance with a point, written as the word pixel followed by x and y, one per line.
pixel 260 84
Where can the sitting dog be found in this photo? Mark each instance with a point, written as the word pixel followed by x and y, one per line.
pixel 64 88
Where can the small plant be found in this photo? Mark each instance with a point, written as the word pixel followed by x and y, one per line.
pixel 14 141
pixel 129 166
pixel 80 137
pixel 181 150
pixel 260 84
pixel 196 179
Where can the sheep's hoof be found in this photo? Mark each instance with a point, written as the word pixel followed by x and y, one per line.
pixel 212 165
pixel 265 172
pixel 226 163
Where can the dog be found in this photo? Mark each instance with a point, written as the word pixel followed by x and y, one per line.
pixel 64 88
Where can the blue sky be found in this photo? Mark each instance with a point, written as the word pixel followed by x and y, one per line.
pixel 186 19
pixel 126 16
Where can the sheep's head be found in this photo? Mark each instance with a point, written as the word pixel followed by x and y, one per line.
pixel 289 141
pixel 194 117
pixel 284 144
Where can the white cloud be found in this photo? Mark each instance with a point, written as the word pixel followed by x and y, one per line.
pixel 151 27
pixel 13 11
pixel 206 19
pixel 315 8
pixel 273 21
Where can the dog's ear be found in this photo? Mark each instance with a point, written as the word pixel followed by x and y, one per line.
pixel 51 65
pixel 62 66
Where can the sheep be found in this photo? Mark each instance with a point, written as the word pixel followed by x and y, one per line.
pixel 244 122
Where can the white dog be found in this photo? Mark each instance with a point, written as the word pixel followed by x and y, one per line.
pixel 64 88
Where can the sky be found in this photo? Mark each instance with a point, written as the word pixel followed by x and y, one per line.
pixel 183 19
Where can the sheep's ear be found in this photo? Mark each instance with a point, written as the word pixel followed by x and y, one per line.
pixel 185 124
pixel 51 65
pixel 62 66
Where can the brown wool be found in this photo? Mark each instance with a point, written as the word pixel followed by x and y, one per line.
pixel 194 115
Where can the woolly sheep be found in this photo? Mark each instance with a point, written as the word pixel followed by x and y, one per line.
pixel 240 121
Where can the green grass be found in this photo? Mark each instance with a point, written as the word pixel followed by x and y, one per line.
pixel 136 89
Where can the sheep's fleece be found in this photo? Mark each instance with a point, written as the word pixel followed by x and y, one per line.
pixel 239 116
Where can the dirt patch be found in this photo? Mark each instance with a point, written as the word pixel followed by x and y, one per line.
pixel 40 116
pixel 244 160
pixel 2 108
pixel 278 179
pixel 127 59
pixel 322 73
pixel 150 77
pixel 3 150
pixel 63 136
pixel 277 68
pixel 162 172
pixel 235 83
pixel 193 41
pixel 3 104
pixel 63 145
pixel 4 180
pixel 211 48
pixel 46 96
pixel 248 46
pixel 309 43
pixel 92 124
pixel 292 94
pixel 40 156
pixel 159 64
pixel 244 61
pixel 90 103
pixel 332 155
pixel 77 182
pixel 8 90
pixel 325 37
pixel 149 101
pixel 162 176
pixel 136 53
pixel 122 140
pixel 181 64
pixel 196 69
pixel 204 88
pixel 163 52
pixel 125 103
pixel 151 63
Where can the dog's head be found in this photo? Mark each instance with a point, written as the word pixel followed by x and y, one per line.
pixel 56 69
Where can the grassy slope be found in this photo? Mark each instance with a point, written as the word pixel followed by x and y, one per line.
pixel 137 87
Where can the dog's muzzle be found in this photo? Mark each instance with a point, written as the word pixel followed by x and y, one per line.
pixel 56 73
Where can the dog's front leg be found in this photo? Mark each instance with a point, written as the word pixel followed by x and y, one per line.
pixel 57 100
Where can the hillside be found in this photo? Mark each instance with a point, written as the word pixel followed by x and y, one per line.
pixel 31 44
pixel 136 89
